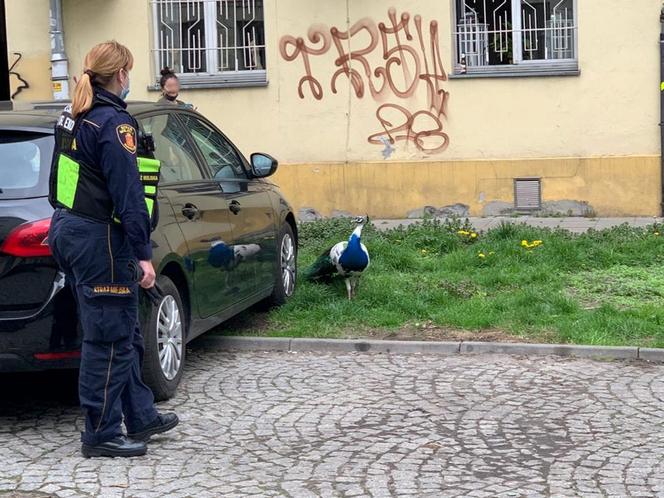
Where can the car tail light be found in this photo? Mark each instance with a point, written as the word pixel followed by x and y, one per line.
pixel 63 355
pixel 29 240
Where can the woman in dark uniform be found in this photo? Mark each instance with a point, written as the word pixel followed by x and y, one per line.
pixel 100 228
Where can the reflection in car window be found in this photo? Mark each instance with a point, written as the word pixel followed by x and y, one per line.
pixel 218 153
pixel 20 166
pixel 25 165
pixel 178 161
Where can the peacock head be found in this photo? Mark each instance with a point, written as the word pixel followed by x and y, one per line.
pixel 361 220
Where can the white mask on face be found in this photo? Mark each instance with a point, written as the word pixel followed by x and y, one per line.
pixel 125 90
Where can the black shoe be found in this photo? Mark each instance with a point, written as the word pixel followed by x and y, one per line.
pixel 121 446
pixel 161 424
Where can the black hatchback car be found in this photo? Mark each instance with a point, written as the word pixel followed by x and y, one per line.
pixel 226 240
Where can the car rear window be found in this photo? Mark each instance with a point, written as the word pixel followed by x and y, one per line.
pixel 25 163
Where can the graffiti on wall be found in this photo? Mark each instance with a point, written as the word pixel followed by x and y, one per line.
pixel 24 84
pixel 394 62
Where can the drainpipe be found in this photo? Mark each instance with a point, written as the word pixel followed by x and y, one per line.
pixel 661 97
pixel 59 65
pixel 5 92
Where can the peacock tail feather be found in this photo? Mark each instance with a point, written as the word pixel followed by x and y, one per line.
pixel 321 269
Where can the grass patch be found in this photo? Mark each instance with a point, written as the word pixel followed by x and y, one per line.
pixel 603 287
pixel 625 287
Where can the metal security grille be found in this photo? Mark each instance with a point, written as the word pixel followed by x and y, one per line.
pixel 491 33
pixel 527 194
pixel 209 37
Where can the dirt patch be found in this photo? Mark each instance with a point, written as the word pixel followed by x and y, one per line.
pixel 253 322
pixel 257 323
pixel 431 332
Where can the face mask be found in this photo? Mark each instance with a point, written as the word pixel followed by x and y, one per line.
pixel 125 91
pixel 171 97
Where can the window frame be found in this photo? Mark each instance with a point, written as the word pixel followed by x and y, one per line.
pixel 520 67
pixel 241 159
pixel 208 79
pixel 206 176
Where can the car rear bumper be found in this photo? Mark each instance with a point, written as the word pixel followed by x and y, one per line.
pixel 11 362
pixel 14 362
pixel 49 340
pixel 58 285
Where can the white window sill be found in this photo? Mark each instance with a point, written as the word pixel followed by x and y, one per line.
pixel 517 71
pixel 515 74
pixel 239 79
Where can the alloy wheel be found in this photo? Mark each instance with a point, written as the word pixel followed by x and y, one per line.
pixel 169 337
pixel 288 271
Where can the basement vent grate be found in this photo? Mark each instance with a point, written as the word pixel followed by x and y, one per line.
pixel 527 194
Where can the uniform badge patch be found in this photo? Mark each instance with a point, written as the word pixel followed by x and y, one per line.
pixel 111 289
pixel 127 137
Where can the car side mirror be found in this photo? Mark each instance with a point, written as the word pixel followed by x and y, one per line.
pixel 263 165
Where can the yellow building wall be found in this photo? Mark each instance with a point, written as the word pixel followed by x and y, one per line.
pixel 491 130
pixel 28 34
pixel 612 186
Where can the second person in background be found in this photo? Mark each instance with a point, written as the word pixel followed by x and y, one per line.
pixel 170 89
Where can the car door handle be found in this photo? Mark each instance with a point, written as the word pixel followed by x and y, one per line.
pixel 235 207
pixel 190 211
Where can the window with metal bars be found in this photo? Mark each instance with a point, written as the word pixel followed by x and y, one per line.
pixel 210 41
pixel 515 35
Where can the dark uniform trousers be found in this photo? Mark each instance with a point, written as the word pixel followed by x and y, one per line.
pixel 95 258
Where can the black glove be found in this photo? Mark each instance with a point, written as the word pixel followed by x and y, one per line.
pixel 155 294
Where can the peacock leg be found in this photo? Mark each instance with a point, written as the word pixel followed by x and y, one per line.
pixel 349 288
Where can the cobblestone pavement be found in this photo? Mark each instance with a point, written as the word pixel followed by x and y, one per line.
pixel 286 424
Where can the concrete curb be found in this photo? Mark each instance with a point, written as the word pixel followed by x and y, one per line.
pixel 649 354
pixel 599 352
pixel 238 343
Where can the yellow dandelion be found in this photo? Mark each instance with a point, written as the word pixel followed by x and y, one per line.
pixel 481 255
pixel 473 235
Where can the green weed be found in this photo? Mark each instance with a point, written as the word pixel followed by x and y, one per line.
pixel 604 287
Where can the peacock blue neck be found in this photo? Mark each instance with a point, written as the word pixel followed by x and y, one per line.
pixel 354 258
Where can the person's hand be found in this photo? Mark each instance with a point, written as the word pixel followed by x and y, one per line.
pixel 149 275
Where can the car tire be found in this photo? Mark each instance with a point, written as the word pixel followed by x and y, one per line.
pixel 164 334
pixel 286 277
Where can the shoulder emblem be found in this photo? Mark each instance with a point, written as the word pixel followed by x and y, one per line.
pixel 127 137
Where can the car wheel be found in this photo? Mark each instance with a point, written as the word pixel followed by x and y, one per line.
pixel 286 277
pixel 165 348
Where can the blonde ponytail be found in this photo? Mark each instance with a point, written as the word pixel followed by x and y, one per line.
pixel 82 95
pixel 101 64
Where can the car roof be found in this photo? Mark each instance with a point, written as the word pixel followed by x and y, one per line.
pixel 41 116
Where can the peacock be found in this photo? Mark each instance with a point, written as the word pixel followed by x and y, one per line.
pixel 229 257
pixel 347 259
